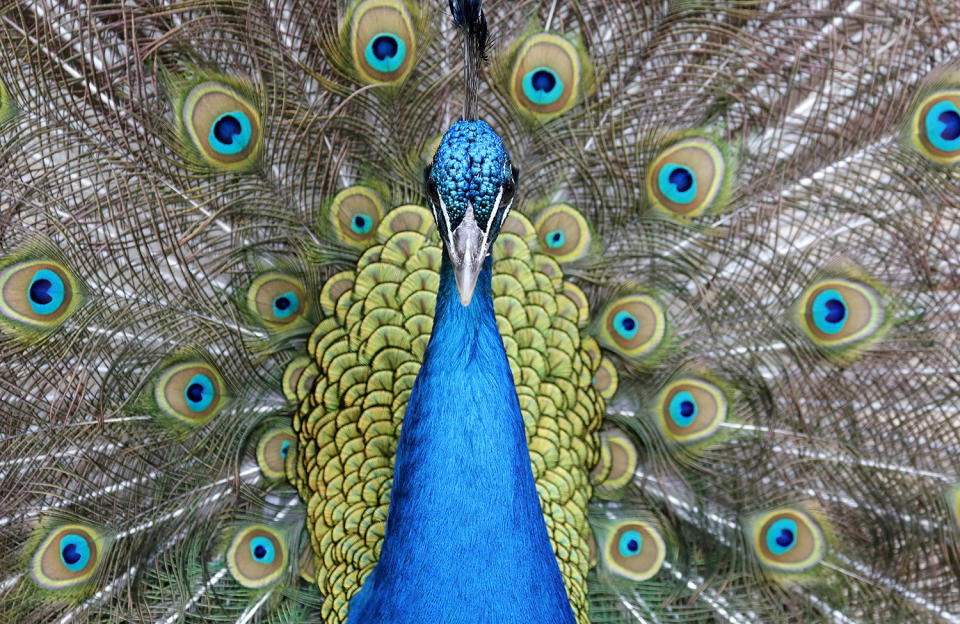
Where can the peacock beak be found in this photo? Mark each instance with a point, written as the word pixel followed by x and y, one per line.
pixel 467 250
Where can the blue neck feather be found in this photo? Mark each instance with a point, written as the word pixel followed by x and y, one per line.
pixel 465 537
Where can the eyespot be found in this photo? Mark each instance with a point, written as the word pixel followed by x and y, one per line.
pixel 276 299
pixel 356 213
pixel 191 392
pixel 67 557
pixel 689 178
pixel 691 410
pixel 382 41
pixel 39 293
pixel 222 125
pixel 273 449
pixel 936 127
pixel 788 540
pixel 563 233
pixel 840 312
pixel 606 380
pixel 633 325
pixel 618 462
pixel 547 75
pixel 257 556
pixel 635 550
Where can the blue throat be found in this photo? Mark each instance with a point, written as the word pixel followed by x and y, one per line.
pixel 465 537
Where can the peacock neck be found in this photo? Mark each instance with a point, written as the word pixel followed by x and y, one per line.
pixel 465 533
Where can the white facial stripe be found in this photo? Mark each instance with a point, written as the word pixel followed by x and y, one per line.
pixel 446 219
pixel 506 210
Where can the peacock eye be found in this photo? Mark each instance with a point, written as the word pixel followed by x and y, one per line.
pixel 634 325
pixel 273 449
pixel 223 125
pixel 839 312
pixel 546 79
pixel 788 540
pixel 191 392
pixel 382 41
pixel 38 293
pixel 691 410
pixel 276 299
pixel 356 213
pixel 67 557
pixel 564 233
pixel 257 556
pixel 635 550
pixel 937 127
pixel 689 178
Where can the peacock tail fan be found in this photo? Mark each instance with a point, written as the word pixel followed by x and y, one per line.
pixel 727 293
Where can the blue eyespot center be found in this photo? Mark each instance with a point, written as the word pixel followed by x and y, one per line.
pixel 555 239
pixel 385 47
pixel 46 292
pixel 683 408
pixel 542 86
pixel 285 447
pixel 70 554
pixel 829 312
pixel 195 392
pixel 951 125
pixel 681 178
pixel 199 393
pixel 677 183
pixel 230 133
pixel 785 538
pixel 262 550
pixel 226 128
pixel 835 311
pixel 626 324
pixel 543 80
pixel 286 304
pixel 943 126
pixel 38 291
pixel 385 53
pixel 361 224
pixel 74 552
pixel 781 536
pixel 631 543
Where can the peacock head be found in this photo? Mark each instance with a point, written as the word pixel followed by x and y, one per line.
pixel 471 186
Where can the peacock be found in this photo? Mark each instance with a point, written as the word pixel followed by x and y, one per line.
pixel 560 311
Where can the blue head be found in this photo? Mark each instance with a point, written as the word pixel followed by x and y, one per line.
pixel 471 186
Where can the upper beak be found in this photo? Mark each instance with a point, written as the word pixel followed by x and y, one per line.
pixel 468 248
